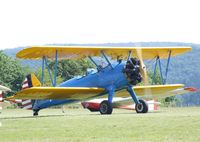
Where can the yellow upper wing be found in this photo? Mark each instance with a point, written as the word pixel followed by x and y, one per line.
pixel 81 93
pixel 74 52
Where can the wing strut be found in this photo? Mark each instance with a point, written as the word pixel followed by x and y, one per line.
pixel 49 70
pixel 158 62
pixel 154 72
pixel 45 63
pixel 43 58
pixel 160 67
pixel 55 68
pixel 167 68
pixel 98 68
pixel 129 55
pixel 103 53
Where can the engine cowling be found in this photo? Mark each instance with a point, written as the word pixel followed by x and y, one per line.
pixel 132 71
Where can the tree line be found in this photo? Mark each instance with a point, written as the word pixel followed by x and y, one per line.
pixel 12 73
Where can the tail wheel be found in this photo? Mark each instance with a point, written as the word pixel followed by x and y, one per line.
pixel 35 112
pixel 106 107
pixel 141 107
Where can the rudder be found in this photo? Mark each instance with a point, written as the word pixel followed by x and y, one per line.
pixel 30 81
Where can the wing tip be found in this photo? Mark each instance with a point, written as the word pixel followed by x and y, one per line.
pixel 191 89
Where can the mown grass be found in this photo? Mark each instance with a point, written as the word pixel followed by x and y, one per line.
pixel 167 124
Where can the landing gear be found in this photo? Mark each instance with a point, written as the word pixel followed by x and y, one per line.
pixel 141 107
pixel 106 107
pixel 35 112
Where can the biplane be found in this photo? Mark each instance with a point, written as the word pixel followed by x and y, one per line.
pixel 122 70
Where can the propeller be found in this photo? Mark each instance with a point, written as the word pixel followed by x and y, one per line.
pixel 143 71
pixel 142 66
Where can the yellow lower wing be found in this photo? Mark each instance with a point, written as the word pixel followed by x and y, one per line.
pixel 152 90
pixel 81 93
pixel 57 93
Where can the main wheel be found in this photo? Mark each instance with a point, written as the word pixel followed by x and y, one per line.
pixel 106 107
pixel 35 112
pixel 141 107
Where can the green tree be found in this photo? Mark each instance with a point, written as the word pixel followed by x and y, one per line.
pixel 47 80
pixel 12 73
pixel 67 69
pixel 157 79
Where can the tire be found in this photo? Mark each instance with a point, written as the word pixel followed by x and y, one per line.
pixel 105 107
pixel 35 112
pixel 141 107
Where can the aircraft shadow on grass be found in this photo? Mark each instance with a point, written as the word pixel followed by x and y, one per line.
pixel 69 115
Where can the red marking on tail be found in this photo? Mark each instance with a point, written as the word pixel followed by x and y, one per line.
pixel 26 104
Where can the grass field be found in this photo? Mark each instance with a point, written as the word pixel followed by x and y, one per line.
pixel 167 124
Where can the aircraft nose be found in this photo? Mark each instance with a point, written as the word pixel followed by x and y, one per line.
pixel 132 71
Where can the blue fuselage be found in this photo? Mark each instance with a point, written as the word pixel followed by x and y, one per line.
pixel 104 78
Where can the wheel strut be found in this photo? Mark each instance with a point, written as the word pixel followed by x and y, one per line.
pixel 140 105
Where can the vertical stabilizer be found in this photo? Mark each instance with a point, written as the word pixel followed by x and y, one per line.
pixel 30 81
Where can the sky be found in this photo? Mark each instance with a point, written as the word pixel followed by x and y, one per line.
pixel 40 22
